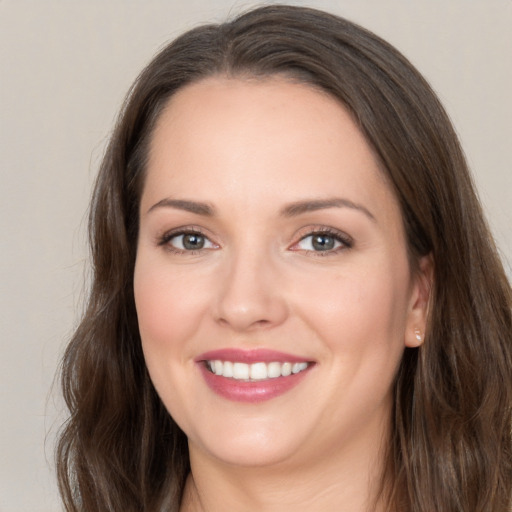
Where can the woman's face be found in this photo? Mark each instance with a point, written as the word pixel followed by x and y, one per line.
pixel 272 284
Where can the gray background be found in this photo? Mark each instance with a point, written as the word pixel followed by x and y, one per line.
pixel 65 67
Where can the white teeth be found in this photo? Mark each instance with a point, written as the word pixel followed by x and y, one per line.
pixel 286 369
pixel 298 367
pixel 240 371
pixel 274 370
pixel 228 369
pixel 217 367
pixel 258 371
pixel 255 371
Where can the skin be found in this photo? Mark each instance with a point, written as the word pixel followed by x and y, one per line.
pixel 249 149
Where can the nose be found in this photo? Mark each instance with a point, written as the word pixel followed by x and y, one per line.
pixel 251 296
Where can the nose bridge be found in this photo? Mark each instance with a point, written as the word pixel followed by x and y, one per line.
pixel 249 296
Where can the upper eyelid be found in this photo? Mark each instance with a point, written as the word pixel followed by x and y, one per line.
pixel 314 230
pixel 183 230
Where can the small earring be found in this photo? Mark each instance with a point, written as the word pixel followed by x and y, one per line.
pixel 418 335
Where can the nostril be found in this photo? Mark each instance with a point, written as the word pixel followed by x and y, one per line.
pixel 244 323
pixel 262 322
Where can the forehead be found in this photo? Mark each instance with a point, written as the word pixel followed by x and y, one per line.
pixel 273 110
pixel 224 134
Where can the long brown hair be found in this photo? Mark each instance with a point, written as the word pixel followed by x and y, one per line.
pixel 451 445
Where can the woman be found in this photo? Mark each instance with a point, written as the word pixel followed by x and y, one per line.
pixel 296 301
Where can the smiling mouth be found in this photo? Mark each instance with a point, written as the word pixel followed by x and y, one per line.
pixel 256 371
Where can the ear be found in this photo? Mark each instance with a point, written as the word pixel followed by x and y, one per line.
pixel 419 302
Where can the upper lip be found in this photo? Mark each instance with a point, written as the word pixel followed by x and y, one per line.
pixel 258 355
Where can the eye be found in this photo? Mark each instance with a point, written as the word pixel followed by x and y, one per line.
pixel 323 241
pixel 187 241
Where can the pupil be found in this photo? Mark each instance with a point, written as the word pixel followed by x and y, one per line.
pixel 192 241
pixel 323 242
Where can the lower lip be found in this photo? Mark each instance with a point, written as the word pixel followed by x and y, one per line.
pixel 251 392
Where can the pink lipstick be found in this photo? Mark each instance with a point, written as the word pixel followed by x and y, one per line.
pixel 252 375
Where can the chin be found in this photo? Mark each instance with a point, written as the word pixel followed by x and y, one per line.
pixel 256 446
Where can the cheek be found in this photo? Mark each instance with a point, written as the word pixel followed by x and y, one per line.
pixel 168 306
pixel 168 310
pixel 361 308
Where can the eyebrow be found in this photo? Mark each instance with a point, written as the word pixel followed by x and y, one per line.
pixel 290 210
pixel 300 207
pixel 190 206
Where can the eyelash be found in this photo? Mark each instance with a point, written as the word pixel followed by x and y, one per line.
pixel 164 240
pixel 343 239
